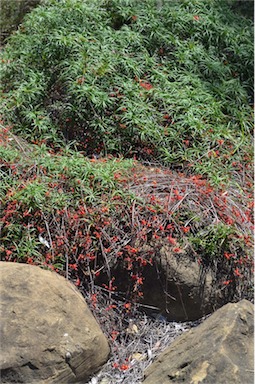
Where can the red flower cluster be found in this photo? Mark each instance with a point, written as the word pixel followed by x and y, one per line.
pixel 146 85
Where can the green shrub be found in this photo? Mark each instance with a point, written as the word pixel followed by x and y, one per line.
pixel 157 80
pixel 12 13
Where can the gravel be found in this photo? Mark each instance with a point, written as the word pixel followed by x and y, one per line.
pixel 135 338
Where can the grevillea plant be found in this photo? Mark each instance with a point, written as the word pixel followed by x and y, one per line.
pixel 95 215
pixel 165 80
pixel 126 126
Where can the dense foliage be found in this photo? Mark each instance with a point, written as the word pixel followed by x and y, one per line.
pixel 87 217
pixel 93 87
pixel 167 80
pixel 11 15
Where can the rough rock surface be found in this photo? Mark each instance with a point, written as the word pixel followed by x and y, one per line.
pixel 220 350
pixel 178 288
pixel 175 285
pixel 48 333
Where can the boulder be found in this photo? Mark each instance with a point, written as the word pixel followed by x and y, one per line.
pixel 220 350
pixel 48 332
pixel 177 287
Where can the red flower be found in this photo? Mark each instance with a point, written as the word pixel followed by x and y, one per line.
pixel 146 85
pixel 73 266
pixel 177 250
pixel 140 280
pixel 124 367
pixel 142 261
pixel 196 17
pixel 228 255
pixel 185 229
pixel 236 272
pixel 110 307
pixel 171 240
pixel 229 221
pixel 127 305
